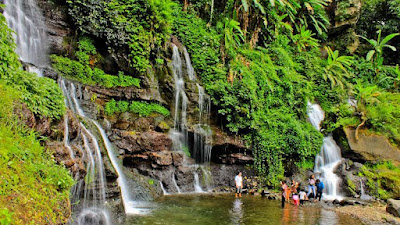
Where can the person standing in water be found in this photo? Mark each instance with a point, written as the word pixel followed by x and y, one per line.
pixel 284 189
pixel 320 188
pixel 311 187
pixel 239 185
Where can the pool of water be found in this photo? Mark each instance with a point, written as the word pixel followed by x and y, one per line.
pixel 226 209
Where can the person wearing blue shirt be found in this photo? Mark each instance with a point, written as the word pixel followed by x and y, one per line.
pixel 320 188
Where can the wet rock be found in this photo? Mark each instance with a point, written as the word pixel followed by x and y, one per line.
pixel 162 127
pixel 132 142
pixel 177 158
pixel 163 158
pixel 393 207
pixel 57 24
pixel 336 202
pixel 344 17
pixel 346 202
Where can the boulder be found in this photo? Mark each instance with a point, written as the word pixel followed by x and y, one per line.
pixel 369 147
pixel 132 142
pixel 393 207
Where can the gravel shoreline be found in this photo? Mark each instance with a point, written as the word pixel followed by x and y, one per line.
pixel 374 214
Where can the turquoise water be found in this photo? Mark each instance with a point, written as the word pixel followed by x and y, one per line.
pixel 226 209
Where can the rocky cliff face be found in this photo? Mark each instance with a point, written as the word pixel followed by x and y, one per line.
pixel 344 15
pixel 144 143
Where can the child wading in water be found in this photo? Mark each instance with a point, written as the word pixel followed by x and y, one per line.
pixel 303 196
pixel 295 194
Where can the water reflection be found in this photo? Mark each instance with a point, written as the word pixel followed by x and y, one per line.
pixel 226 210
pixel 236 212
pixel 328 217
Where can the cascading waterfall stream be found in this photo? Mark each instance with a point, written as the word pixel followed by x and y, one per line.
pixel 329 158
pixel 202 136
pixel 197 186
pixel 92 208
pixel 364 196
pixel 25 18
pixel 131 207
pixel 163 189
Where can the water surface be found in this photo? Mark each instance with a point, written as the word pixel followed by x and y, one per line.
pixel 226 209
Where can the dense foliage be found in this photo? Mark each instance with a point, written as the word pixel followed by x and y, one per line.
pixel 42 95
pixel 33 189
pixel 380 15
pixel 142 26
pixel 260 62
pixel 75 70
pixel 142 108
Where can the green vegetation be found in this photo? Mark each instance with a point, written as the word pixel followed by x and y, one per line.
pixel 383 179
pixel 142 26
pixel 351 187
pixel 83 73
pixel 41 95
pixel 378 45
pixel 142 108
pixel 33 189
pixel 260 61
pixel 381 15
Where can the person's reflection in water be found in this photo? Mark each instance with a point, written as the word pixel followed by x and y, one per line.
pixel 286 214
pixel 237 212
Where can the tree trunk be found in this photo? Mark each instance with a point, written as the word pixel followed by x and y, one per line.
pixel 358 127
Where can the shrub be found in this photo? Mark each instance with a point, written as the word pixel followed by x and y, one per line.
pixel 142 108
pixel 83 73
pixel 33 189
pixel 383 179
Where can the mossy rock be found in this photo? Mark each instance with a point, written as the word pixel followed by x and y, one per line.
pixel 163 126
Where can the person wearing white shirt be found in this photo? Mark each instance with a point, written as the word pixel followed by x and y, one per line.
pixel 239 184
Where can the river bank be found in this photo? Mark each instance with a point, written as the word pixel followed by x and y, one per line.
pixel 374 214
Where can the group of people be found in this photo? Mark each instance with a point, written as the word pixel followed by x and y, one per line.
pixel 299 195
pixel 295 192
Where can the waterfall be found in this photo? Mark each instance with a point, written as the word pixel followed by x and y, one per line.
pixel 189 66
pixel 364 196
pixel 207 177
pixel 179 133
pixel 175 184
pixel 25 18
pixel 94 197
pixel 197 186
pixel 199 145
pixel 92 207
pixel 329 158
pixel 163 189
